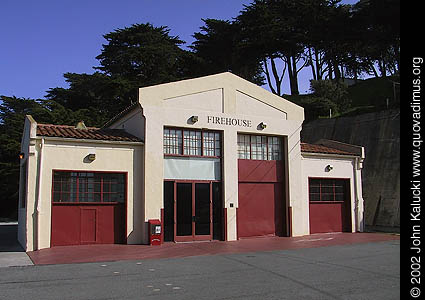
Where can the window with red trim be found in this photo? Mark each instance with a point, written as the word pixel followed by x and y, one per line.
pixel 211 143
pixel 259 147
pixel 328 189
pixel 173 141
pixel 88 187
pixel 190 142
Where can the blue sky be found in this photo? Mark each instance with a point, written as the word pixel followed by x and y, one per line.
pixel 42 39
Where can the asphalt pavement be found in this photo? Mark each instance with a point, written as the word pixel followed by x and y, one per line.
pixel 352 271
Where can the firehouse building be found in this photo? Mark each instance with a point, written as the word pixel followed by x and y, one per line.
pixel 211 158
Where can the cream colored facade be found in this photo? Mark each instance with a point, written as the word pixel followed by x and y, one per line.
pixel 315 165
pixel 216 100
pixel 224 96
pixel 43 155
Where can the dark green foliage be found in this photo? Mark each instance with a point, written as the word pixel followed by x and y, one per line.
pixel 333 39
pixel 143 54
pixel 315 107
pixel 334 91
pixel 219 48
pixel 365 96
pixel 375 92
pixel 377 24
pixel 95 92
pixel 328 98
pixel 284 29
pixel 12 117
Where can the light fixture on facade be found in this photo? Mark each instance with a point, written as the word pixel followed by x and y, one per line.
pixel 194 119
pixel 329 168
pixel 262 125
pixel 91 156
pixel 21 155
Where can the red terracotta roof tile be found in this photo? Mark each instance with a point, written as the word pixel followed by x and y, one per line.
pixel 312 148
pixel 91 133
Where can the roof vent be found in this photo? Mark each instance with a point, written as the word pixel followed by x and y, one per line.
pixel 81 125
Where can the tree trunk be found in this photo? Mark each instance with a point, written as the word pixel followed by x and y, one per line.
pixel 397 58
pixel 374 70
pixel 318 66
pixel 330 71
pixel 337 72
pixel 292 73
pixel 313 71
pixel 382 68
pixel 266 71
pixel 276 78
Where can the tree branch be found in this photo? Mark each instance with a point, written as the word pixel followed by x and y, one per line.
pixel 266 71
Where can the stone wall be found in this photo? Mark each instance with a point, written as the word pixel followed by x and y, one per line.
pixel 379 133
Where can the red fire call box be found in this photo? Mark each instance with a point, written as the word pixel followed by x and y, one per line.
pixel 155 232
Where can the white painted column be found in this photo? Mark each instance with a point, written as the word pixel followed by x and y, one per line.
pixel 299 204
pixel 230 181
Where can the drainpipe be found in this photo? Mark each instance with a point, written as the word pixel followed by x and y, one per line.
pixel 40 182
pixel 358 190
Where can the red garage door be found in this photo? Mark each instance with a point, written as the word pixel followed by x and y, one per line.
pixel 261 201
pixel 88 208
pixel 329 205
pixel 260 209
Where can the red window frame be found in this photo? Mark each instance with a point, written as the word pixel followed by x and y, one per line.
pixel 80 190
pixel 191 142
pixel 266 147
pixel 328 189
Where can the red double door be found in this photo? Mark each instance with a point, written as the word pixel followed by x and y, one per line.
pixel 82 224
pixel 192 211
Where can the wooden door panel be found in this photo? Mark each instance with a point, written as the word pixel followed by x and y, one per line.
pixel 88 226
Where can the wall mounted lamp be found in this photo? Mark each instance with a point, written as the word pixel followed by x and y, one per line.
pixel 262 125
pixel 329 168
pixel 91 156
pixel 21 155
pixel 194 119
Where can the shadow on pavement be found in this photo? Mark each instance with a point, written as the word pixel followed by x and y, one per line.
pixel 9 238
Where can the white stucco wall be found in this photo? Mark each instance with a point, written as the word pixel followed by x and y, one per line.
pixel 314 165
pixel 69 155
pixel 219 96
